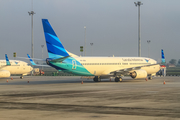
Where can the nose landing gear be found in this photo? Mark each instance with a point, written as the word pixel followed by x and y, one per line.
pixel 21 77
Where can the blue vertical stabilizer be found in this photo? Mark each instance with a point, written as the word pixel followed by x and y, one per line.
pixel 163 61
pixel 7 60
pixel 32 62
pixel 54 46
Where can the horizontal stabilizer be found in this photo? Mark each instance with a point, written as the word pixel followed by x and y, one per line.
pixel 60 59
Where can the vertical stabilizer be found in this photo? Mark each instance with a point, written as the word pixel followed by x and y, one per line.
pixel 7 60
pixel 32 62
pixel 162 57
pixel 54 45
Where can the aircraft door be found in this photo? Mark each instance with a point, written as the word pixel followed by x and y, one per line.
pixel 73 64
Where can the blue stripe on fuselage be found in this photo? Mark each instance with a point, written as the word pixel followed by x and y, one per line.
pixel 67 66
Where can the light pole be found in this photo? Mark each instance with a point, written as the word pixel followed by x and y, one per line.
pixel 91 48
pixel 32 45
pixel 139 32
pixel 85 42
pixel 148 41
pixel 42 53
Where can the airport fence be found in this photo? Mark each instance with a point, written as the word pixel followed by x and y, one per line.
pixel 173 71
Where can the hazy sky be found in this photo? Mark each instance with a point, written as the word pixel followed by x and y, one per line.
pixel 110 24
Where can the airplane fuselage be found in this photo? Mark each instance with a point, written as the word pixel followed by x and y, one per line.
pixel 16 67
pixel 98 66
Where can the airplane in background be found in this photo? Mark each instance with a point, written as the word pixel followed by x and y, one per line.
pixel 100 67
pixel 13 67
pixel 162 71
pixel 34 64
pixel 163 61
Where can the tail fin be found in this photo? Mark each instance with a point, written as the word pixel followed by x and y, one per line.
pixel 162 57
pixel 32 62
pixel 7 60
pixel 54 45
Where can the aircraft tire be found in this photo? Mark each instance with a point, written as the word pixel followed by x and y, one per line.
pixel 96 79
pixel 150 77
pixel 116 79
pixel 120 79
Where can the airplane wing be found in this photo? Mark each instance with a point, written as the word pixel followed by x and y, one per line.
pixel 4 66
pixel 127 70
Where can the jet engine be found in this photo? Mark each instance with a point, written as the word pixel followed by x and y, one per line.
pixel 4 73
pixel 138 74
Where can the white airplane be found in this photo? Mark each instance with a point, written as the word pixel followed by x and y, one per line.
pixel 13 67
pixel 100 67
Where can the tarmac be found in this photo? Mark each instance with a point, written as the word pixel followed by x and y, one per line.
pixel 66 98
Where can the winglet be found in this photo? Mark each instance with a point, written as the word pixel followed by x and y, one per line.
pixel 32 62
pixel 163 61
pixel 7 60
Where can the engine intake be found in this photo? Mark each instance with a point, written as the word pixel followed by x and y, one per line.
pixel 138 74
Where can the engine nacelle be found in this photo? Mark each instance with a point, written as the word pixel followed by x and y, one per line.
pixel 138 74
pixel 4 74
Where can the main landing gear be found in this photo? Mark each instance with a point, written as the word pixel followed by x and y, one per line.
pixel 150 77
pixel 97 79
pixel 118 79
pixel 21 77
